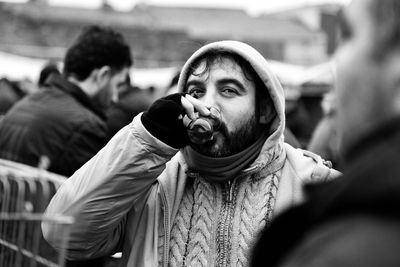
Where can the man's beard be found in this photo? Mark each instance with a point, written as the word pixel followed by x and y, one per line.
pixel 232 143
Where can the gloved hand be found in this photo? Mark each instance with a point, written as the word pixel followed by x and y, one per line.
pixel 164 121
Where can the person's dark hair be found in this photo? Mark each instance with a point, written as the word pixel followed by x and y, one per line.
pixel 94 48
pixel 214 56
pixel 48 69
pixel 386 23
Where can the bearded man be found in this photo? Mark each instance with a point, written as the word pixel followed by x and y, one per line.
pixel 164 198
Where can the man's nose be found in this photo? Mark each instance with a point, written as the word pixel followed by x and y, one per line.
pixel 210 98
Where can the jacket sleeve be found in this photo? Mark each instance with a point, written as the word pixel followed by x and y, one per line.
pixel 101 192
pixel 309 166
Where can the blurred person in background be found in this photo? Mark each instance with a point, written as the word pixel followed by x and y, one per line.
pixel 164 199
pixel 325 138
pixel 355 220
pixel 299 122
pixel 10 93
pixel 290 138
pixel 131 101
pixel 65 123
pixel 48 69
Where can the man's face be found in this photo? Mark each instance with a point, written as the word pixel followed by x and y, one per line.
pixel 109 89
pixel 225 87
pixel 363 84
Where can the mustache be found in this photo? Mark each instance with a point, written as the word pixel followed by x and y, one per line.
pixel 223 129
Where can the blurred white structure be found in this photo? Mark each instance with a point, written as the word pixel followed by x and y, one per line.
pixel 18 68
pixel 291 76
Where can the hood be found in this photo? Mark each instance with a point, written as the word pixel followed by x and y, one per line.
pixel 261 68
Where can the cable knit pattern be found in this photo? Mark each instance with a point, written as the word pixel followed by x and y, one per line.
pixel 255 212
pixel 192 230
pixel 199 245
pixel 217 224
pixel 193 235
pixel 180 230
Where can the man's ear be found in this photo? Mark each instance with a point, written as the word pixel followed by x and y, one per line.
pixel 103 75
pixel 267 111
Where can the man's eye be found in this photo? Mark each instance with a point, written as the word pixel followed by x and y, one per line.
pixel 195 92
pixel 229 91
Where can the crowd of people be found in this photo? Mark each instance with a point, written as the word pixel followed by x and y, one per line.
pixel 247 195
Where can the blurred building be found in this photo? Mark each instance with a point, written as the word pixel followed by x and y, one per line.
pixel 298 43
pixel 319 17
pixel 160 36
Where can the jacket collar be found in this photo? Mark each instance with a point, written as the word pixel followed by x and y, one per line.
pixel 75 91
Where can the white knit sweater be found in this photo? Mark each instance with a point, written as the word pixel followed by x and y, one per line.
pixel 217 224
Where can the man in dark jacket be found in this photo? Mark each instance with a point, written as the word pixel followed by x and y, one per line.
pixel 65 122
pixel 131 101
pixel 354 220
pixel 10 93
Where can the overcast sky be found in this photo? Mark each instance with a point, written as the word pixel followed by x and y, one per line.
pixel 251 5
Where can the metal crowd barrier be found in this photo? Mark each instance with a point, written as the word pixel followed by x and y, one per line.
pixel 24 195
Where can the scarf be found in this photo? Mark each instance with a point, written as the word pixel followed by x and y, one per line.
pixel 222 169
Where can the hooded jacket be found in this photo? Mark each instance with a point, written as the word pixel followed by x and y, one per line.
pixel 128 196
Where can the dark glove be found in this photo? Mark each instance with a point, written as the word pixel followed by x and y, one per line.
pixel 162 121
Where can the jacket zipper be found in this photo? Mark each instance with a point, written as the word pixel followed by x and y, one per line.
pixel 227 213
pixel 166 229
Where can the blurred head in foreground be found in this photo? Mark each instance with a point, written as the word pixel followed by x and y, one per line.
pixel 368 67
